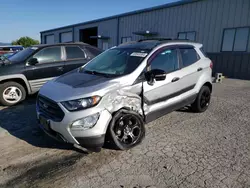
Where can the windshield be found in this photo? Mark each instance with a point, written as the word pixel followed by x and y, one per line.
pixel 117 61
pixel 22 55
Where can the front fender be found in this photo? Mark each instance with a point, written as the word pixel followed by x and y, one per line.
pixel 127 97
pixel 16 76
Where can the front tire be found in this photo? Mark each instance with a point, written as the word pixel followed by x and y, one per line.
pixel 126 129
pixel 202 100
pixel 11 93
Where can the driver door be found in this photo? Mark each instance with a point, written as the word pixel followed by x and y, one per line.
pixel 166 59
pixel 50 64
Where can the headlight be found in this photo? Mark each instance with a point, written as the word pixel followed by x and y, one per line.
pixel 80 104
pixel 86 122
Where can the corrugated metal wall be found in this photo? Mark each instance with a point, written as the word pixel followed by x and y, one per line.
pixel 105 28
pixel 232 65
pixel 208 18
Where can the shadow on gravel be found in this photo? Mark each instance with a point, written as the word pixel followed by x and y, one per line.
pixel 186 109
pixel 36 175
pixel 20 121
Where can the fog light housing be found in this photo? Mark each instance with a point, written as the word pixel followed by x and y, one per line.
pixel 86 122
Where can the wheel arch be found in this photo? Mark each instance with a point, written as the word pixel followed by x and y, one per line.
pixel 209 85
pixel 19 79
pixel 116 115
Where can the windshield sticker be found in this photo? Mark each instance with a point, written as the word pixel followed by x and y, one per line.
pixel 34 48
pixel 138 54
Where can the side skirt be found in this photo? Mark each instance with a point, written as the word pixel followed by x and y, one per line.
pixel 161 112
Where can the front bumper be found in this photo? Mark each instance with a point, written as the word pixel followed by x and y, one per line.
pixel 89 138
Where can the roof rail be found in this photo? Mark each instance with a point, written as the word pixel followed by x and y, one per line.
pixel 162 39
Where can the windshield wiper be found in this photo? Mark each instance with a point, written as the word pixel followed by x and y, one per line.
pixel 98 73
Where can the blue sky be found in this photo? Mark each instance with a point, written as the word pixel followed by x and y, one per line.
pixel 29 17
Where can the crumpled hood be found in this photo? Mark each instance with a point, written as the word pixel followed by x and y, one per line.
pixel 75 85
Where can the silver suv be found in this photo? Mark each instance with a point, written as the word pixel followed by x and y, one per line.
pixel 114 95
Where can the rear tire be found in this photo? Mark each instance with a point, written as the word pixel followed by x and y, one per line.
pixel 126 129
pixel 202 100
pixel 11 93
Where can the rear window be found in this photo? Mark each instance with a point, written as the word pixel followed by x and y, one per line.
pixel 189 56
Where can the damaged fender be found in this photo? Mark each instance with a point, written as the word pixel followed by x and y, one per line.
pixel 127 97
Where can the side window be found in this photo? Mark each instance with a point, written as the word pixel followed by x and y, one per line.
pixel 48 55
pixel 74 52
pixel 189 56
pixel 93 51
pixel 166 60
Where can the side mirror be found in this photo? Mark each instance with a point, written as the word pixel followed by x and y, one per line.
pixel 155 74
pixel 33 61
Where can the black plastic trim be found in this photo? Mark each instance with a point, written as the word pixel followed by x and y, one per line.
pixel 159 113
pixel 91 142
pixel 171 95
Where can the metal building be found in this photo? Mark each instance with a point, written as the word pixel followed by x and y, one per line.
pixel 222 26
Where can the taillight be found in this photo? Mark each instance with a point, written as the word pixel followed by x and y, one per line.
pixel 211 65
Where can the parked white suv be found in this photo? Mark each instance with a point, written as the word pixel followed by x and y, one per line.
pixel 116 93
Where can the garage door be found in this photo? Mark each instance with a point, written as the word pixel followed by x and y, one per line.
pixel 66 37
pixel 50 39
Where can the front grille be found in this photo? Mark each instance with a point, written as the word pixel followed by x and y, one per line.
pixel 49 109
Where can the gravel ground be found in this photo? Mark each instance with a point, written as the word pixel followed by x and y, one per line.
pixel 181 149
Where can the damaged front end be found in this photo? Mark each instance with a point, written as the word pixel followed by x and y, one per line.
pixel 129 97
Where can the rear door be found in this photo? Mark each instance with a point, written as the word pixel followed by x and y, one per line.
pixel 191 66
pixel 50 64
pixel 75 57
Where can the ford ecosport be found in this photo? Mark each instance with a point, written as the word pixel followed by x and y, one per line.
pixel 122 89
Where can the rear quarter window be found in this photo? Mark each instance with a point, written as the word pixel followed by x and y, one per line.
pixel 203 52
pixel 189 56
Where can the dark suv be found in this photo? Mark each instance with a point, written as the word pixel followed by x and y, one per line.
pixel 25 72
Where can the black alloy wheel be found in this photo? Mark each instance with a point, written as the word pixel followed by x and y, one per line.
pixel 205 99
pixel 202 100
pixel 127 129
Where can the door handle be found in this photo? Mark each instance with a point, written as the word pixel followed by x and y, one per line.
pixel 60 68
pixel 199 69
pixel 175 79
